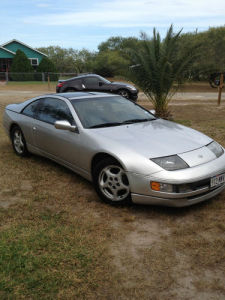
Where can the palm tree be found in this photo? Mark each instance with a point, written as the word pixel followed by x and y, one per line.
pixel 159 68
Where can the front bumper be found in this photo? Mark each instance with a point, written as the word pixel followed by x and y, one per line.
pixel 177 202
pixel 134 97
pixel 197 179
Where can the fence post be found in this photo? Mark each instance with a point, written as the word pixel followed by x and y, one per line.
pixel 43 76
pixel 48 82
pixel 220 89
pixel 6 77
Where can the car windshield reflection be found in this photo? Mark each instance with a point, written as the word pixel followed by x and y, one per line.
pixel 109 111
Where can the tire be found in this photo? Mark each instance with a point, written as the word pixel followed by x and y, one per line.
pixel 111 182
pixel 18 141
pixel 124 93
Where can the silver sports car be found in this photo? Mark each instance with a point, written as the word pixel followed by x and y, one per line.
pixel 128 153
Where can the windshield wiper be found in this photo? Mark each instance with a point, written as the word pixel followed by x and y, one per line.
pixel 136 121
pixel 131 121
pixel 106 125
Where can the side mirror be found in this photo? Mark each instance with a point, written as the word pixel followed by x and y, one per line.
pixel 100 83
pixel 152 111
pixel 65 125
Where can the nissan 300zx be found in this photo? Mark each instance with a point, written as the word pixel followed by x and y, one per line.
pixel 128 153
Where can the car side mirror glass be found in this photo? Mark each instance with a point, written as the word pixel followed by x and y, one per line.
pixel 65 125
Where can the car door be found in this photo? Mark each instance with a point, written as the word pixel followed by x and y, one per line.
pixel 60 145
pixel 92 84
pixel 77 84
pixel 29 115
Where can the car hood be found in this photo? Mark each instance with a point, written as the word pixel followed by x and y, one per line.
pixel 152 139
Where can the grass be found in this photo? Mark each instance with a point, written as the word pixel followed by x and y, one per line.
pixel 58 240
pixel 51 244
pixel 34 253
pixel 29 86
pixel 28 83
pixel 46 253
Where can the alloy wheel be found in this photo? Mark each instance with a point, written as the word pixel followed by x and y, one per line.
pixel 113 183
pixel 18 141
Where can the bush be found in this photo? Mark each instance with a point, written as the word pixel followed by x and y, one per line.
pixel 21 64
pixel 110 63
pixel 47 66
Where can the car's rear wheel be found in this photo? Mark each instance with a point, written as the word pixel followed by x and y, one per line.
pixel 111 182
pixel 124 93
pixel 18 141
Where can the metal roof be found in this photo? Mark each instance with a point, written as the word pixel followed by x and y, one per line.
pixel 7 50
pixel 14 40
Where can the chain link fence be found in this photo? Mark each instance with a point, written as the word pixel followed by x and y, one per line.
pixel 35 76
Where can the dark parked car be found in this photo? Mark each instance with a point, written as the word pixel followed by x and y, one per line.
pixel 93 82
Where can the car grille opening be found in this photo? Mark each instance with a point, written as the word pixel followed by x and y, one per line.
pixel 191 187
pixel 204 193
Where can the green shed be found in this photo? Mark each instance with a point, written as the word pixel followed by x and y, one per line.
pixel 8 51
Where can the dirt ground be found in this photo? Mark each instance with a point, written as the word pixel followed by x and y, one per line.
pixel 154 252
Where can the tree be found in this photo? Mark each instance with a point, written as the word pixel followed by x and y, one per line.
pixel 118 43
pixel 84 61
pixel 110 63
pixel 112 58
pixel 211 57
pixel 70 60
pixel 158 69
pixel 46 65
pixel 62 58
pixel 21 63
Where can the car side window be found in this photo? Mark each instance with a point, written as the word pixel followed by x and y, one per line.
pixel 51 110
pixel 91 82
pixel 31 109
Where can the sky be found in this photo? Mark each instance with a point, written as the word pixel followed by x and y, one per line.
pixel 87 23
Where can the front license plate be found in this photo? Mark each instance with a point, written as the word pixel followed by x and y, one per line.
pixel 216 180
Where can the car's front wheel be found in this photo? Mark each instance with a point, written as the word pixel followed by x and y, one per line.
pixel 124 93
pixel 18 141
pixel 111 182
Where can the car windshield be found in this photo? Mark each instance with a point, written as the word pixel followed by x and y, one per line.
pixel 109 111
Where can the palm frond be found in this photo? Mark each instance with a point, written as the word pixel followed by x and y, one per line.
pixel 159 66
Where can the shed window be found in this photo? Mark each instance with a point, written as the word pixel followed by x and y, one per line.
pixel 34 61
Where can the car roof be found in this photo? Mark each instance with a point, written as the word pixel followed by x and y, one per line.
pixel 78 95
pixel 82 76
pixel 18 107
